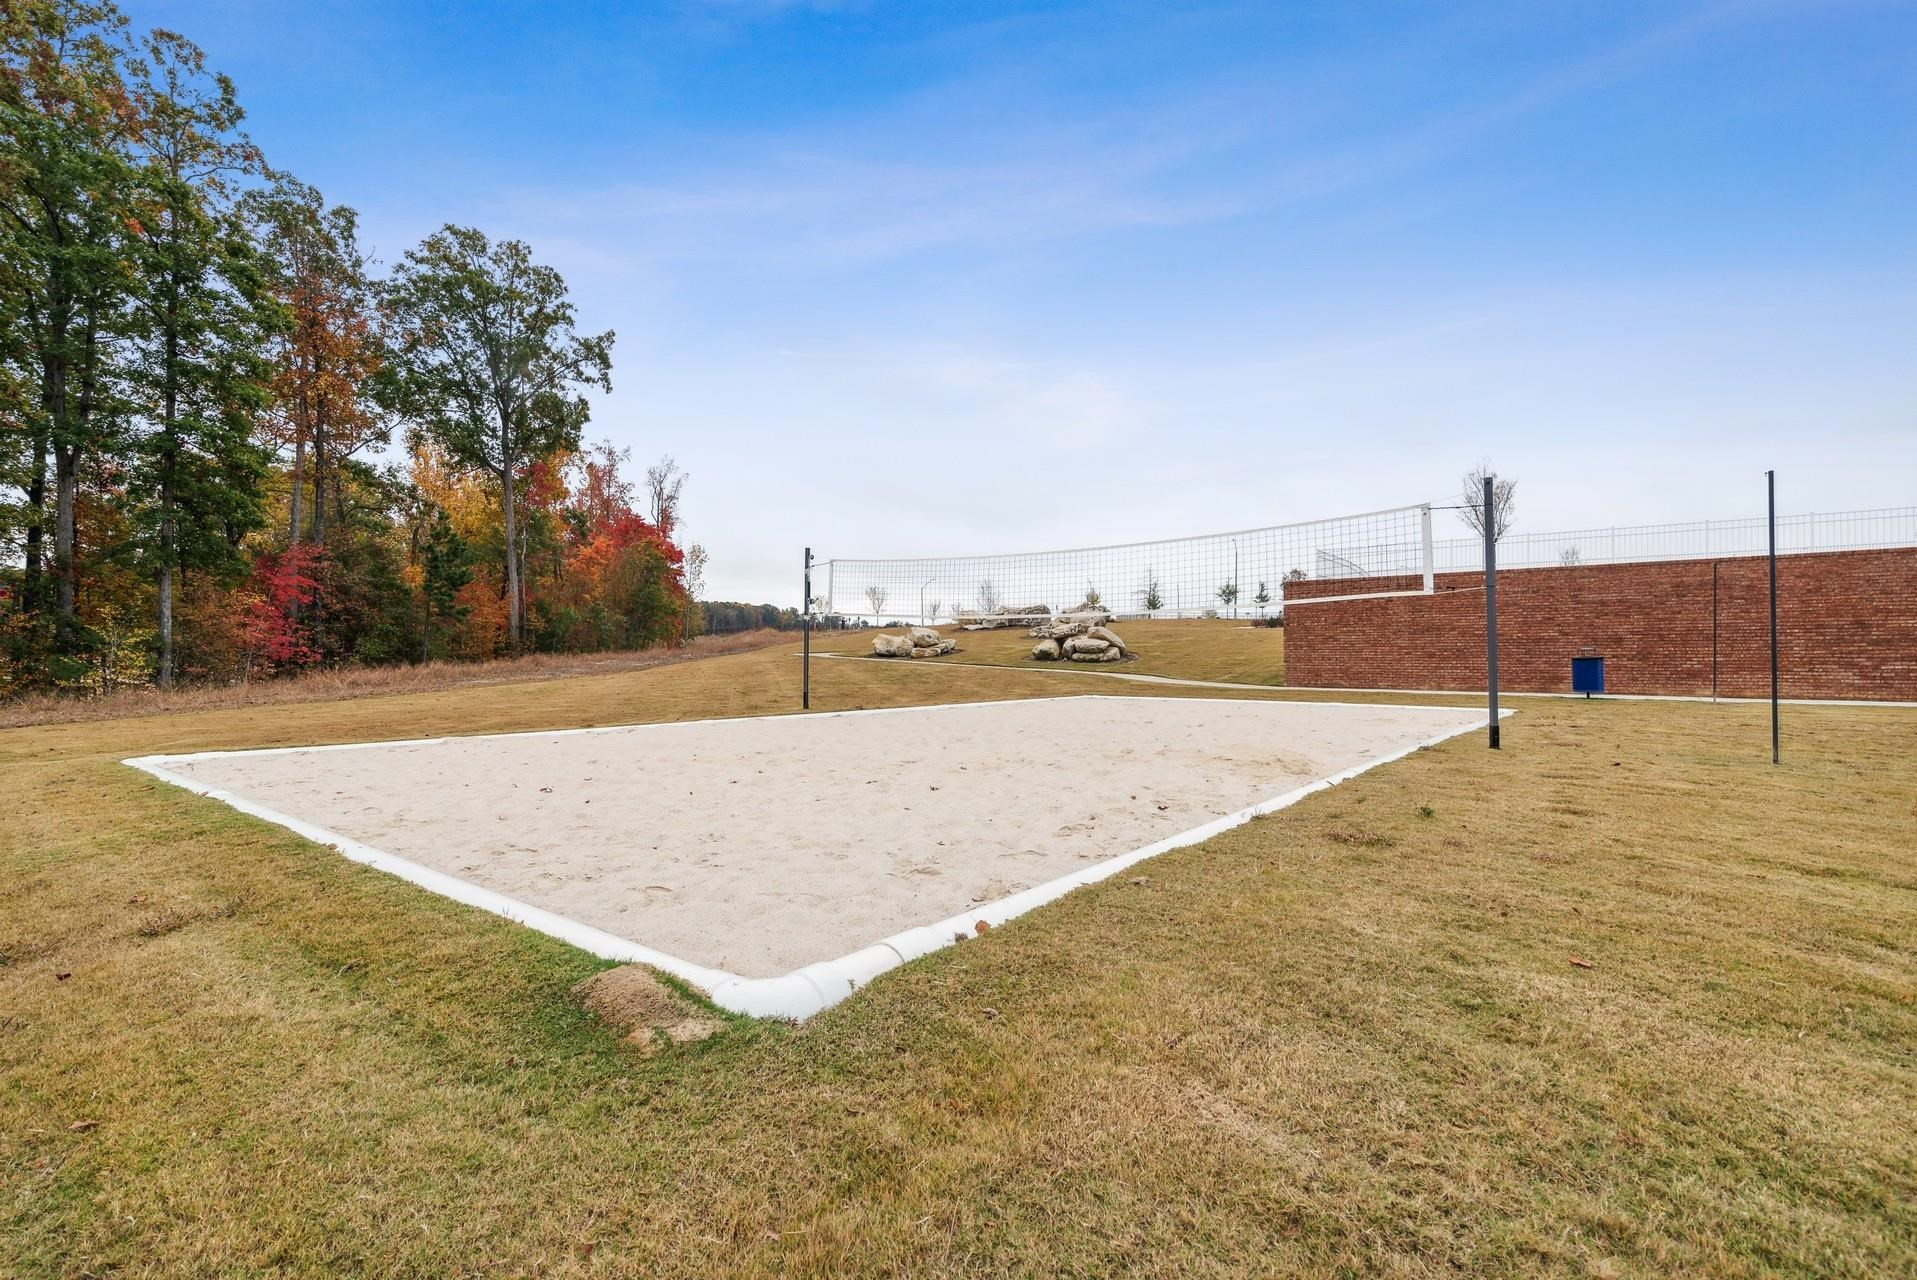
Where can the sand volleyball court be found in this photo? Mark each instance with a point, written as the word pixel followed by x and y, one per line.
pixel 779 862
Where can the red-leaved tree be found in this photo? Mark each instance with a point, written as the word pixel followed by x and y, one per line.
pixel 273 637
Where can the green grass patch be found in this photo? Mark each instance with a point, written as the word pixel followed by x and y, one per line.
pixel 1622 999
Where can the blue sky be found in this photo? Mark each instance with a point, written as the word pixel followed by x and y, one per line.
pixel 901 278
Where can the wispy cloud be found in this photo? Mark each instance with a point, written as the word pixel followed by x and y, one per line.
pixel 958 166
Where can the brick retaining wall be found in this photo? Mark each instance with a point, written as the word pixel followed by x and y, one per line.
pixel 1847 625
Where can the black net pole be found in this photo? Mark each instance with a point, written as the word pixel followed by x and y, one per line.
pixel 805 626
pixel 1491 605
pixel 1770 482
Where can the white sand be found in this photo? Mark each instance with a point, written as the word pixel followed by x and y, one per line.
pixel 758 846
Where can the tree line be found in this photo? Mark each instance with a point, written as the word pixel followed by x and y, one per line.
pixel 200 368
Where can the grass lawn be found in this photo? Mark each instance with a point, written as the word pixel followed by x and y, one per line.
pixel 1190 648
pixel 1619 1000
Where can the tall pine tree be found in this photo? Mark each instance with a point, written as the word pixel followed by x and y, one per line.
pixel 66 185
pixel 197 379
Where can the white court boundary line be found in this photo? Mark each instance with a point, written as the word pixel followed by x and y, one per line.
pixel 805 991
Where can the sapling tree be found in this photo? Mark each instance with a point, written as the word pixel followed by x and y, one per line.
pixel 695 574
pixel 1150 597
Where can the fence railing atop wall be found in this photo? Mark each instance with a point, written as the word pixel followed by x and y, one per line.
pixel 1692 540
pixel 1246 574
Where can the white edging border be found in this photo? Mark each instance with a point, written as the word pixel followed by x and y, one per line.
pixel 803 992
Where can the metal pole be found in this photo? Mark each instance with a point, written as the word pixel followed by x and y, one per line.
pixel 1430 564
pixel 1770 483
pixel 1491 606
pixel 805 666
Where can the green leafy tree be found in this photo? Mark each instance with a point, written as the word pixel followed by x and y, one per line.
pixel 66 179
pixel 196 379
pixel 445 568
pixel 488 364
pixel 1228 596
pixel 1263 597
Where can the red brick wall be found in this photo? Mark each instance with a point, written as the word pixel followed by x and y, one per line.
pixel 1847 628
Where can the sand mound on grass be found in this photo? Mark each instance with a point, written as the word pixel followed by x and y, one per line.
pixel 633 1002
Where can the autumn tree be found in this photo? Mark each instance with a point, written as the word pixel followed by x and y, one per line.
pixel 273 635
pixel 196 378
pixel 490 367
pixel 331 348
pixel 600 494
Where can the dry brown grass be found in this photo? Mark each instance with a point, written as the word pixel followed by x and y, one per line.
pixel 365 682
pixel 1187 648
pixel 1352 1038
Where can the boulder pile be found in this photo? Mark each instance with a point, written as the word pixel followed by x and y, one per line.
pixel 1079 638
pixel 917 642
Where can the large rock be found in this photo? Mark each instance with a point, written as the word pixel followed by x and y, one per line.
pixel 1086 644
pixel 1109 636
pixel 892 646
pixel 923 638
pixel 1046 651
pixel 1064 629
pixel 938 650
pixel 1107 654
